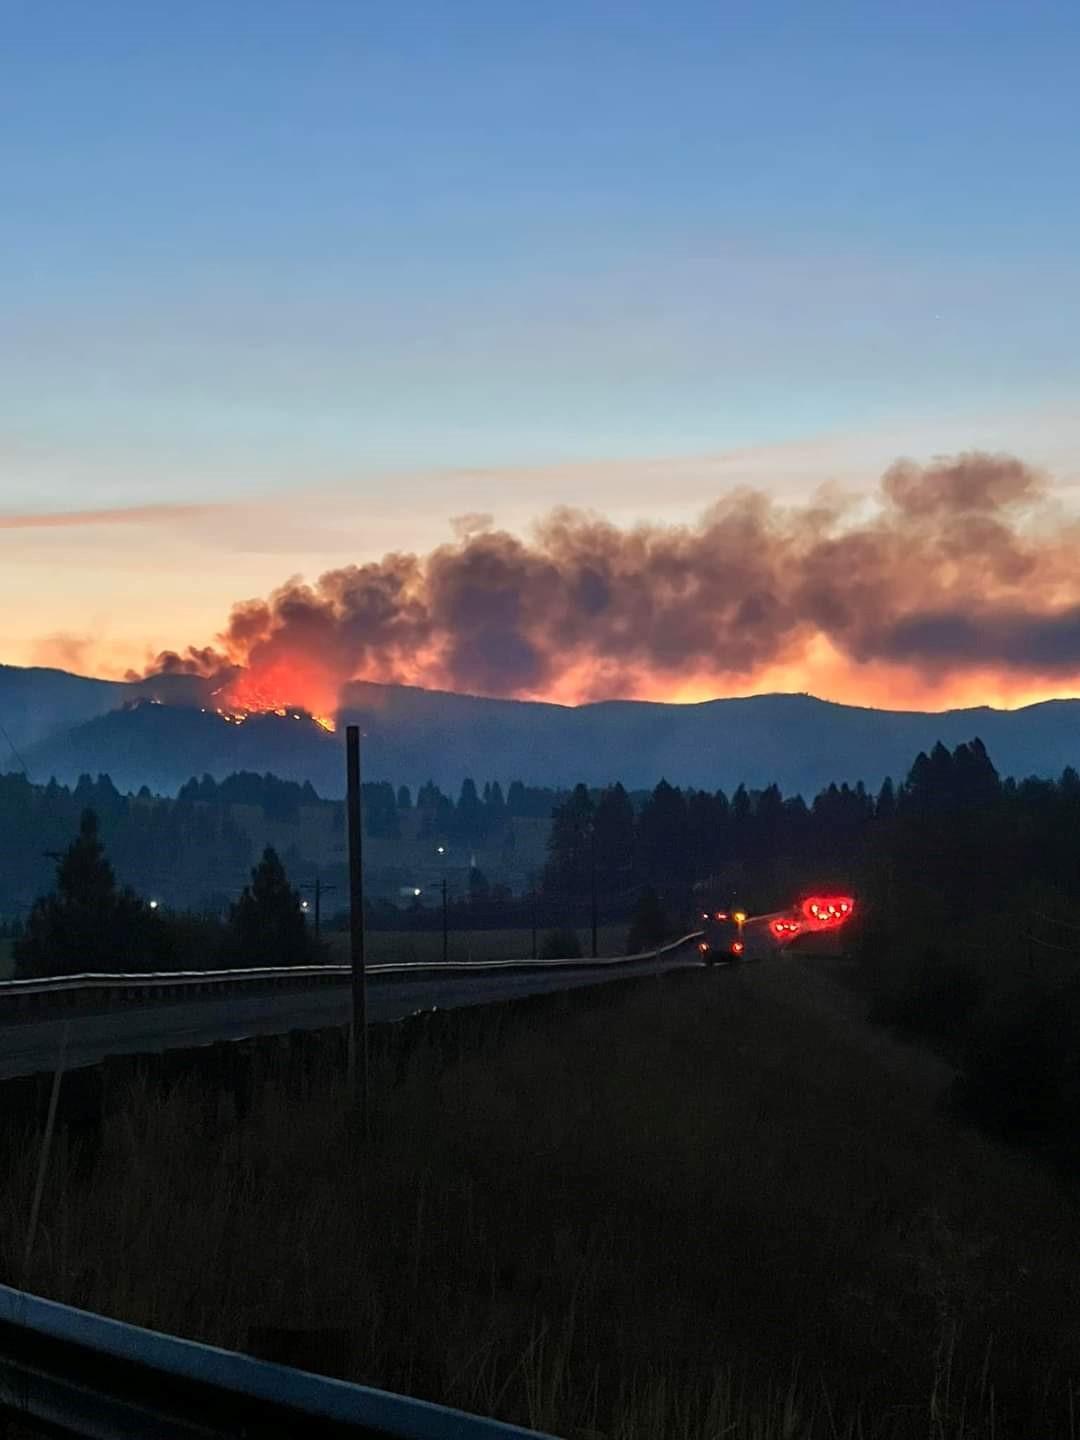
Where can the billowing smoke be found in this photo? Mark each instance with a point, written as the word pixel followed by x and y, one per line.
pixel 962 564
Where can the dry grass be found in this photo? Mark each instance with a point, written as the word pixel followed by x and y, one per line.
pixel 698 1207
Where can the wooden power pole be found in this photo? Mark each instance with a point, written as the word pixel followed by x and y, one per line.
pixel 358 1049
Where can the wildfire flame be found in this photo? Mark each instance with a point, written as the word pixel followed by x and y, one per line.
pixel 279 690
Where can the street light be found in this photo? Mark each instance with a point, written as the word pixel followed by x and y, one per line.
pixel 441 850
pixel 320 890
pixel 153 904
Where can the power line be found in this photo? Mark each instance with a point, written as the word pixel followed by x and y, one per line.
pixel 11 746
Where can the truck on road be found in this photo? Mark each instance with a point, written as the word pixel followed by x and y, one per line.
pixel 722 934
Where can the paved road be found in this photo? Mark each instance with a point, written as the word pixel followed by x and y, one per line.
pixel 27 1047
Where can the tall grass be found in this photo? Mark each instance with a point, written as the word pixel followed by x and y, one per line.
pixel 709 1205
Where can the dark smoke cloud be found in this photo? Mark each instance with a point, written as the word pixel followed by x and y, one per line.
pixel 196 660
pixel 956 565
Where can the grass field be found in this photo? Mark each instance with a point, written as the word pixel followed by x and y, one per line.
pixel 407 946
pixel 715 1204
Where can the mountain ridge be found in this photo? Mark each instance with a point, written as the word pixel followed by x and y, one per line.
pixel 161 731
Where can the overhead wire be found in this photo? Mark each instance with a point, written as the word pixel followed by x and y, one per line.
pixel 11 746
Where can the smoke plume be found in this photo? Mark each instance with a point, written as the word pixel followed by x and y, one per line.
pixel 960 565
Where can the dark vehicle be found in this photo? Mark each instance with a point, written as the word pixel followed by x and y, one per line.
pixel 722 935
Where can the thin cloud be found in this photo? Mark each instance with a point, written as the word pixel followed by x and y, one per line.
pixel 118 515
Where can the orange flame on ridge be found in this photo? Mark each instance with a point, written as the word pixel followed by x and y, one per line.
pixel 282 688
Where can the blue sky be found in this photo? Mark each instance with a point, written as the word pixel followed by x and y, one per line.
pixel 255 249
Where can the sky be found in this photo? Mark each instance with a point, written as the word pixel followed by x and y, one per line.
pixel 287 286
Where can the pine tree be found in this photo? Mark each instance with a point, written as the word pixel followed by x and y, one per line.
pixel 614 827
pixel 662 834
pixel 87 923
pixel 885 806
pixel 469 814
pixel 569 867
pixel 267 923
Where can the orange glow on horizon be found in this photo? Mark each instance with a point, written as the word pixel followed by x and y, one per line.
pixel 822 671
pixel 300 681
pixel 280 689
pixel 827 676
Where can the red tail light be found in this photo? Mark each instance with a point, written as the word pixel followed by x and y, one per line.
pixel 826 912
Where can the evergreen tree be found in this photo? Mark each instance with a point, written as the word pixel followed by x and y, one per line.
pixel 740 812
pixel 885 805
pixel 380 810
pixel 570 854
pixel 614 831
pixel 267 924
pixel 494 805
pixel 662 830
pixel 428 796
pixel 469 814
pixel 88 923
pixel 515 798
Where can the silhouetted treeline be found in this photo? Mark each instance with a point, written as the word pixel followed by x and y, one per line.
pixel 192 850
pixel 951 833
pixel 89 923
pixel 162 848
pixel 675 839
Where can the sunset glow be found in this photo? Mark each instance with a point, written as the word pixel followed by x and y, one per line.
pixel 953 583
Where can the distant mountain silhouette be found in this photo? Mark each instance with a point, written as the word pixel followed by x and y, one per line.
pixel 65 725
pixel 36 704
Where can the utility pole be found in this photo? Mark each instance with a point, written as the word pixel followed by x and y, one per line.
pixel 535 902
pixel 440 850
pixel 358 1051
pixel 592 878
pixel 445 924
pixel 319 890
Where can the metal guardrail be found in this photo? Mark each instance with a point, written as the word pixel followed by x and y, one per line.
pixel 85 1375
pixel 51 991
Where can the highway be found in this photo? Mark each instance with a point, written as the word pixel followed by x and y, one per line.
pixel 30 1046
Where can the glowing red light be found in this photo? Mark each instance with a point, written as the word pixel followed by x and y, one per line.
pixel 826 912
pixel 785 925
pixel 737 947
